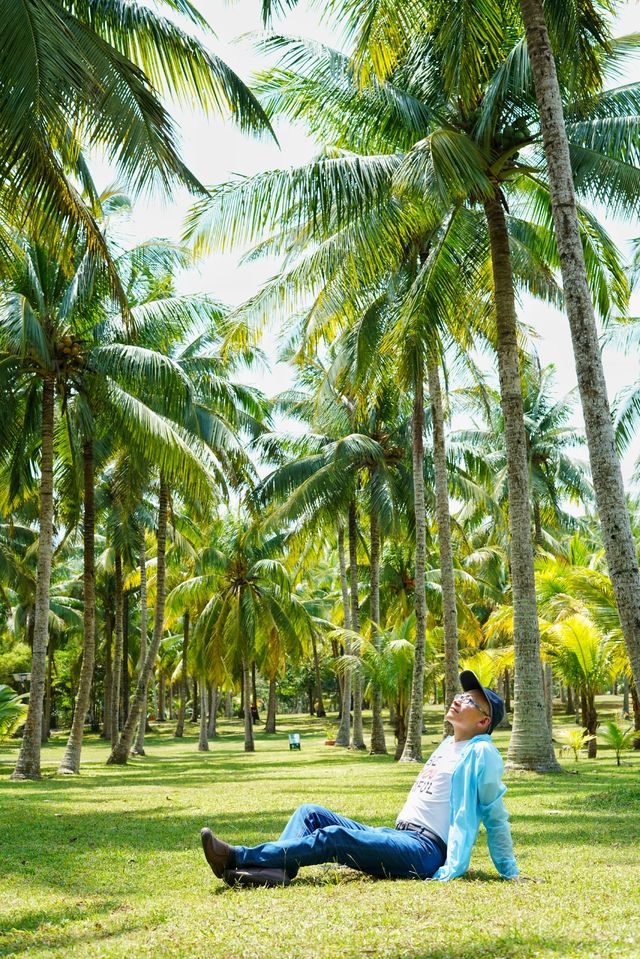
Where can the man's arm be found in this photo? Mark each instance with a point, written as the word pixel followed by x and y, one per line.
pixel 494 814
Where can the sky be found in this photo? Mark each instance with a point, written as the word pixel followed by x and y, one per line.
pixel 214 150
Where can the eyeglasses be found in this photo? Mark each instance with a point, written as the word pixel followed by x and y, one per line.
pixel 470 701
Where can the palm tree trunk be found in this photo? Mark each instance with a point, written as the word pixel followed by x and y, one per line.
pixel 590 721
pixel 605 466
pixel 401 732
pixel 635 700
pixel 344 730
pixel 570 710
pixel 625 695
pixel 108 670
pixel 507 692
pixel 537 522
pixel 255 716
pixel 228 705
pixel 124 697
pixel 213 712
pixel 443 521
pixel 48 697
pixel 530 746
pixel 548 694
pixel 120 752
pixel 184 686
pixel 28 764
pixel 249 745
pixel 270 725
pixel 71 759
pixel 161 691
pixel 378 743
pixel 138 749
pixel 320 710
pixel 116 665
pixel 203 742
pixel 412 751
pixel 357 736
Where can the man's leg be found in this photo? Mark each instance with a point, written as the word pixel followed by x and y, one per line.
pixel 316 835
pixel 309 817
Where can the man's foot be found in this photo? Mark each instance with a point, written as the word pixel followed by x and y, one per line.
pixel 219 854
pixel 256 876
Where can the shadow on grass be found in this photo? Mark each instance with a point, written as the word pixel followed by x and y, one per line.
pixel 50 928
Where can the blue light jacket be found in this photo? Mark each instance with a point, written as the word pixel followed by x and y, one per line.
pixel 476 795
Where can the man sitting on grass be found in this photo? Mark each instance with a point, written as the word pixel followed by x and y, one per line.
pixel 435 831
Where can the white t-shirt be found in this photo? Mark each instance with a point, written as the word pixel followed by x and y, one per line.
pixel 429 802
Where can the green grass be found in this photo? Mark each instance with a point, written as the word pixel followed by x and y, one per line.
pixel 108 864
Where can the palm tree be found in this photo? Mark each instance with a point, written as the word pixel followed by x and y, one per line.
pixel 60 59
pixel 245 593
pixel 582 656
pixel 605 465
pixel 555 477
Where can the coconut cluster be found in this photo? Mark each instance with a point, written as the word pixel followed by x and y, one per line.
pixel 70 348
pixel 513 134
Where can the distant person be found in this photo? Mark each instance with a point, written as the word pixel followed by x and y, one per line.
pixel 435 831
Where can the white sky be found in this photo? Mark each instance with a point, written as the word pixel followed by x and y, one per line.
pixel 214 150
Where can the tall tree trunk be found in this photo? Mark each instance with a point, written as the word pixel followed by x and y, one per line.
pixel 71 759
pixel 254 694
pixel 184 685
pixel 412 751
pixel 590 721
pixel 605 466
pixel 401 732
pixel 203 741
pixel 344 730
pixel 537 522
pixel 48 696
pixel 228 705
pixel 213 712
pixel 443 521
pixel 124 699
pixel 378 743
pixel 357 736
pixel 249 745
pixel 635 701
pixel 320 710
pixel 570 710
pixel 335 650
pixel 548 694
pixel 108 670
pixel 138 748
pixel 116 666
pixel 625 695
pixel 120 752
pixel 530 746
pixel 28 764
pixel 270 725
pixel 161 692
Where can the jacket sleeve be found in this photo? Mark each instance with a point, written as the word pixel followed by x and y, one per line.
pixel 494 814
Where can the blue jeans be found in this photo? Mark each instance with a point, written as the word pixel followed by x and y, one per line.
pixel 314 835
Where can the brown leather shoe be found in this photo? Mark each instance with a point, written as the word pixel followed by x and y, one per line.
pixel 219 854
pixel 256 876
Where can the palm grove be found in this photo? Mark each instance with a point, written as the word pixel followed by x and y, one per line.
pixel 167 533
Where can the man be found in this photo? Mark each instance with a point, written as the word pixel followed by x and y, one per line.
pixel 435 830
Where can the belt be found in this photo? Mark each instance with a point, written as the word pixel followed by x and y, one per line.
pixel 424 831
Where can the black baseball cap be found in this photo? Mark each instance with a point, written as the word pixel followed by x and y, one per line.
pixel 469 680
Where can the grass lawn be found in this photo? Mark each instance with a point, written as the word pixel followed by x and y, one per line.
pixel 108 864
